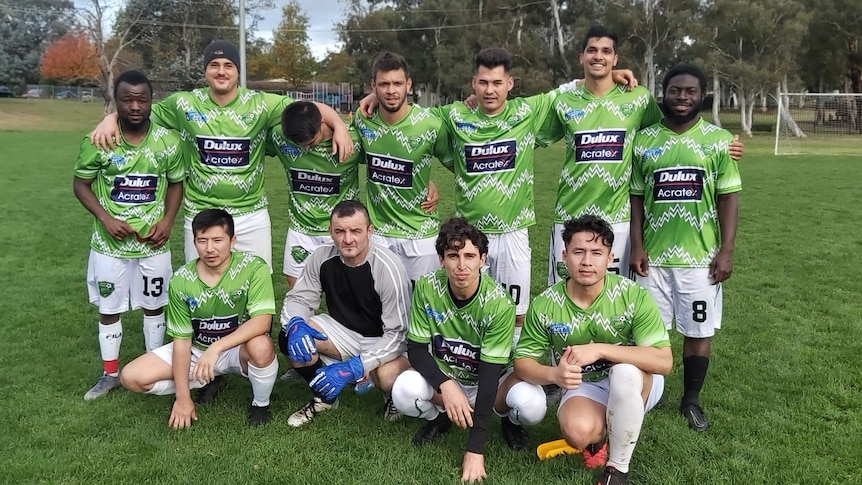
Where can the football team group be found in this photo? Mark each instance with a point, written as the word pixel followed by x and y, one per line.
pixel 437 316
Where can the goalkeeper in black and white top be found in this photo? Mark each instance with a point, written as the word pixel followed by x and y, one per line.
pixel 364 332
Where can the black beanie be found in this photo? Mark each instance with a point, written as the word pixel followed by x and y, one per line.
pixel 221 49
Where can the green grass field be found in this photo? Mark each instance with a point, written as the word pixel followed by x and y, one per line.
pixel 784 392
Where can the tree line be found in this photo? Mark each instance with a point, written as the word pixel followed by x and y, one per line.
pixel 748 48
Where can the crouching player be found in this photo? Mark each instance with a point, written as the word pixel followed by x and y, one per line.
pixel 363 334
pixel 220 309
pixel 608 350
pixel 466 320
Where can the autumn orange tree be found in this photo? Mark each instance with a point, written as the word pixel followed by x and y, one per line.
pixel 71 58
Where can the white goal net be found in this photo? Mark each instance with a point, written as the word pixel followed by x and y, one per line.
pixel 819 124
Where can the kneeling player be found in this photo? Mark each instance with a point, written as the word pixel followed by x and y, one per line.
pixel 608 349
pixel 207 298
pixel 467 319
pixel 362 335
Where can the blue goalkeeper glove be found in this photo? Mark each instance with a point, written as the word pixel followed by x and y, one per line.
pixel 331 379
pixel 300 340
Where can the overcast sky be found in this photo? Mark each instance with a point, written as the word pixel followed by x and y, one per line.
pixel 322 16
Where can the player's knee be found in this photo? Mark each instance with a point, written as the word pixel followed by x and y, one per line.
pixel 131 380
pixel 409 387
pixel 625 380
pixel 384 376
pixel 527 402
pixel 260 352
pixel 580 432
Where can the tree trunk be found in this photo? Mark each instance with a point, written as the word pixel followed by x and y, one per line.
pixel 716 99
pixel 437 60
pixel 649 54
pixel 786 115
pixel 749 113
pixel 745 99
pixel 561 45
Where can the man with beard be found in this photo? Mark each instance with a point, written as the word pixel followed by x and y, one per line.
pixel 599 119
pixel 399 140
pixel 227 126
pixel 684 214
pixel 134 191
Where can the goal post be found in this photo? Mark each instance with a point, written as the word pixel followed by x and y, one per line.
pixel 818 124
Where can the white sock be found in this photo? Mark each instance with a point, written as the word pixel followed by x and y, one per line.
pixel 527 403
pixel 625 414
pixel 154 331
pixel 262 381
pixel 412 395
pixel 166 387
pixel 110 338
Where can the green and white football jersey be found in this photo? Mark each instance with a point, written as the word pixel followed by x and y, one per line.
pixel 229 142
pixel 316 181
pixel 599 132
pixel 462 337
pixel 680 178
pixel 131 183
pixel 494 161
pixel 623 314
pixel 398 158
pixel 205 314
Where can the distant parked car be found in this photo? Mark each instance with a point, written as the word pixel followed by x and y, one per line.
pixel 6 92
pixel 33 93
pixel 66 95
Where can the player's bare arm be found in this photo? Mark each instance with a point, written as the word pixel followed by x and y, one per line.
pixel 736 148
pixel 161 231
pixel 639 262
pixel 204 371
pixel 341 141
pixel 621 76
pixel 106 135
pixel 728 213
pixel 473 468
pixel 118 229
pixel 565 374
pixel 455 402
pixel 367 105
pixel 430 202
pixel 651 360
pixel 183 411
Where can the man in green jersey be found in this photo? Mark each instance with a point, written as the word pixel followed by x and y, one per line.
pixel 600 337
pixel 599 119
pixel 134 191
pixel 459 344
pixel 684 198
pixel 316 180
pixel 400 139
pixel 219 314
pixel 493 165
pixel 227 127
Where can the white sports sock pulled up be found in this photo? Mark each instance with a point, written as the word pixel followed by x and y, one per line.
pixel 262 381
pixel 625 414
